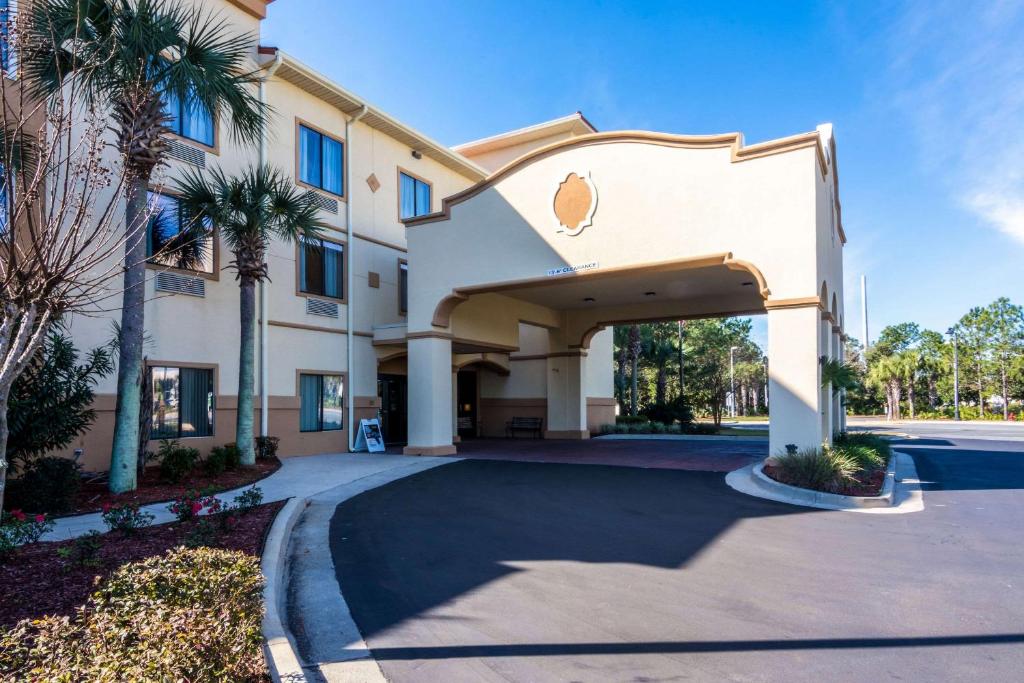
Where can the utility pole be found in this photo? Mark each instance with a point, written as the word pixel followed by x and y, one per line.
pixel 956 373
pixel 732 382
pixel 864 315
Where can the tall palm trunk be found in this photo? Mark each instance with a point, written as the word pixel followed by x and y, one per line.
pixel 4 435
pixel 910 398
pixel 124 451
pixel 246 369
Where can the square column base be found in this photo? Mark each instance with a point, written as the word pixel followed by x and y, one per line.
pixel 429 450
pixel 567 434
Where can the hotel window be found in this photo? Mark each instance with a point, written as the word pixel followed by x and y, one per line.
pixel 6 12
pixel 322 268
pixel 183 402
pixel 190 119
pixel 321 161
pixel 403 287
pixel 413 196
pixel 321 403
pixel 166 243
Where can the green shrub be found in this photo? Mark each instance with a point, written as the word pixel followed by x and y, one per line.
pixel 17 529
pixel 629 419
pixel 820 469
pixel 248 500
pixel 176 461
pixel 266 447
pixel 867 440
pixel 676 410
pixel 867 459
pixel 216 462
pixel 127 518
pixel 232 456
pixel 48 484
pixel 188 615
pixel 83 551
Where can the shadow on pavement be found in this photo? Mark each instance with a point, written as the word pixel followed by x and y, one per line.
pixel 684 647
pixel 425 540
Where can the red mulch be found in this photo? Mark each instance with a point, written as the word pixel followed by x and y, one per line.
pixel 36 581
pixel 867 483
pixel 93 495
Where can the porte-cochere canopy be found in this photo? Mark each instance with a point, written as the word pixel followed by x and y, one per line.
pixel 622 227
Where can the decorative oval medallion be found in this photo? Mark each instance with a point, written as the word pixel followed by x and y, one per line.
pixel 575 203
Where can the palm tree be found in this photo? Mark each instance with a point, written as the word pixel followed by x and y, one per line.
pixel 635 351
pixel 248 211
pixel 132 57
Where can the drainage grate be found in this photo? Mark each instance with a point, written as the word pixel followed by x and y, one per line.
pixel 328 309
pixel 180 284
pixel 186 153
pixel 325 203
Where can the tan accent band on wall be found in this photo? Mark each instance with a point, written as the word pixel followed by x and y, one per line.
pixel 734 141
pixel 836 329
pixel 382 243
pixel 827 317
pixel 802 302
pixel 257 8
pixel 302 326
pixel 444 308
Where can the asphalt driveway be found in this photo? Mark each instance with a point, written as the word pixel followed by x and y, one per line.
pixel 516 571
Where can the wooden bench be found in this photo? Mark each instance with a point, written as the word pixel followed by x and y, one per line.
pixel 524 424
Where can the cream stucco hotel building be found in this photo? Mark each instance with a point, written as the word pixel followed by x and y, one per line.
pixel 460 287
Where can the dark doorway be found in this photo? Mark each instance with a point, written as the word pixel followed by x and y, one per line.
pixel 392 390
pixel 466 400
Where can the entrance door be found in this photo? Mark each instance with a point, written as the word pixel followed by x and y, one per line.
pixel 392 392
pixel 467 414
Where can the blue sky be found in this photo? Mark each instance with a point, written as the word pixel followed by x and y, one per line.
pixel 927 99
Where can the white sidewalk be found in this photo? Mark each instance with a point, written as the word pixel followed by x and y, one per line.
pixel 299 476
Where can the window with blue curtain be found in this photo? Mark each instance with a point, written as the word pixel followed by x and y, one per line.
pixel 190 119
pixel 413 196
pixel 321 403
pixel 5 24
pixel 165 224
pixel 183 402
pixel 321 161
pixel 322 268
pixel 403 287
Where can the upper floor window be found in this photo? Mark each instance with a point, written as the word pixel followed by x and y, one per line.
pixel 322 268
pixel 403 287
pixel 413 196
pixel 166 244
pixel 183 402
pixel 321 161
pixel 190 119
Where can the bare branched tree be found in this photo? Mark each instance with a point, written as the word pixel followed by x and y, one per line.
pixel 62 230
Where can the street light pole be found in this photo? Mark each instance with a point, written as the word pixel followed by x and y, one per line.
pixel 732 381
pixel 956 373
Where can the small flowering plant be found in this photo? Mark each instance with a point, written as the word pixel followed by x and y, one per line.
pixel 127 518
pixel 18 528
pixel 191 504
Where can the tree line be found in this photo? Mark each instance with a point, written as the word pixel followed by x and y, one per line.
pixel 660 367
pixel 911 372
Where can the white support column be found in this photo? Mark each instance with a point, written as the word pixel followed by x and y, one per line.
pixel 567 399
pixel 838 409
pixel 455 406
pixel 794 339
pixel 430 396
pixel 825 408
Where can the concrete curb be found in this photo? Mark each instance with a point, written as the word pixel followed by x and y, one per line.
pixel 287 561
pixel 278 646
pixel 752 480
pixel 680 437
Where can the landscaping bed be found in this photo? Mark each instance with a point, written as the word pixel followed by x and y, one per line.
pixel 94 495
pixel 854 465
pixel 37 581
